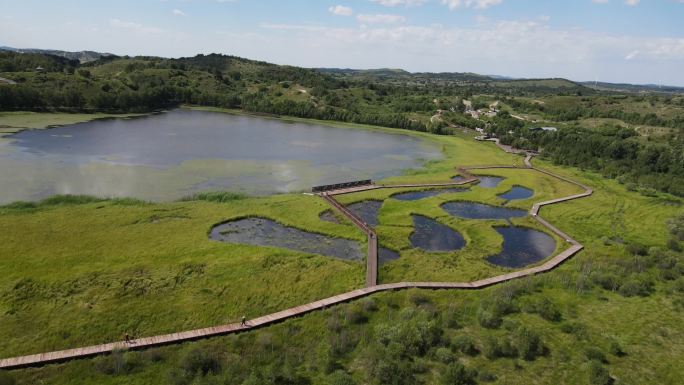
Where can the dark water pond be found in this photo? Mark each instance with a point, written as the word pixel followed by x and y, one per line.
pixel 265 232
pixel 458 178
pixel 470 210
pixel 489 181
pixel 416 195
pixel 431 235
pixel 173 154
pixel 366 210
pixel 517 192
pixel 522 247
pixel 386 255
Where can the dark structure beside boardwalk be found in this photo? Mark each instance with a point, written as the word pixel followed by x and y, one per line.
pixel 339 186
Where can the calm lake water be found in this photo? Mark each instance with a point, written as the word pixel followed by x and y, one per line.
pixel 174 154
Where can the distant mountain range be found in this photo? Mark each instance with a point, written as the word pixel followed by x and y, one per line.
pixel 81 56
pixel 626 87
pixel 397 73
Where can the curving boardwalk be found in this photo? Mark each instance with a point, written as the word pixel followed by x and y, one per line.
pixel 371 279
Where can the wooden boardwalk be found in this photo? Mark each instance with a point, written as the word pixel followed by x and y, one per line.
pixel 371 281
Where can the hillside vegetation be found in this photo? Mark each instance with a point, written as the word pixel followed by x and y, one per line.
pixel 634 137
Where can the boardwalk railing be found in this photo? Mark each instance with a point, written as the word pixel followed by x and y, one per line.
pixel 371 281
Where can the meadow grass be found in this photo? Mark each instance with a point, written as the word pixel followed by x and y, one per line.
pixel 79 270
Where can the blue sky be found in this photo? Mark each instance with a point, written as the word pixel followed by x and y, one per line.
pixel 607 40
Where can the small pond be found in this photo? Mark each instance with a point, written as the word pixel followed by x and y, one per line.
pixel 366 210
pixel 517 192
pixel 522 247
pixel 489 181
pixel 265 232
pixel 416 195
pixel 386 255
pixel 431 235
pixel 470 210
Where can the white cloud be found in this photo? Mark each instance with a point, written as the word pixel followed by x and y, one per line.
pixel 381 19
pixel 134 27
pixel 477 4
pixel 341 10
pixel 178 12
pixel 601 1
pixel 404 3
pixel 514 48
pixel 632 3
pixel 632 55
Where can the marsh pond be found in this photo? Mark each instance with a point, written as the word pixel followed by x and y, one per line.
pixel 174 154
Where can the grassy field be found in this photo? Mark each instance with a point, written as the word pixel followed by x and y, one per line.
pixel 78 273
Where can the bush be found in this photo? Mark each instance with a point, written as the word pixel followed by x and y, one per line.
pixel 575 328
pixel 419 298
pixel 200 361
pixel 215 196
pixel 595 354
pixel 118 363
pixel 457 374
pixel 674 245
pixel 6 378
pixel 355 315
pixel 493 348
pixel 466 345
pixel 488 319
pixel 340 377
pixel 529 344
pixel 616 349
pixel 598 374
pixel 636 287
pixel 637 249
pixel 444 355
pixel 546 309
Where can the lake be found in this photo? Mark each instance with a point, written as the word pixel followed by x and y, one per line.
pixel 174 154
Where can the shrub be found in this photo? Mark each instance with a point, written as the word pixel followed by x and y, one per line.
pixel 608 281
pixel 636 287
pixel 6 378
pixel 200 361
pixel 466 345
pixel 575 328
pixel 69 200
pixel 493 348
pixel 444 355
pixel 118 363
pixel 215 196
pixel 674 245
pixel 355 315
pixel 595 354
pixel 340 377
pixel 419 298
pixel 547 310
pixel 486 376
pixel 457 374
pixel 598 374
pixel 637 249
pixel 616 349
pixel 488 319
pixel 529 344
pixel 369 304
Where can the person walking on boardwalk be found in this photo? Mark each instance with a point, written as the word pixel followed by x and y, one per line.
pixel 243 323
pixel 127 338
